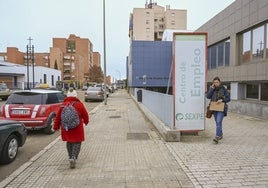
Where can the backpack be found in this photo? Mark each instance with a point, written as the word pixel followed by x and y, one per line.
pixel 69 117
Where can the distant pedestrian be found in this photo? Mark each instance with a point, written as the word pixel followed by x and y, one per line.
pixel 75 136
pixel 219 94
pixel 72 92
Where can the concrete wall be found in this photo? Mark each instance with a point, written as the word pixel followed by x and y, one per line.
pixel 158 108
pixel 250 108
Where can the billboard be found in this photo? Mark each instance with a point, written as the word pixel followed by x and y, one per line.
pixel 189 74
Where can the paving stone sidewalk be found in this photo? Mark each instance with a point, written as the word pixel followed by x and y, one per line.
pixel 239 160
pixel 122 149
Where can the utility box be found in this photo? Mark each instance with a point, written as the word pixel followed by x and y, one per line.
pixel 139 95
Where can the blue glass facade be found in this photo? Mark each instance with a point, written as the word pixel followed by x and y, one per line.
pixel 150 63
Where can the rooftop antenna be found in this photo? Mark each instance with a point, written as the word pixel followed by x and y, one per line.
pixel 150 4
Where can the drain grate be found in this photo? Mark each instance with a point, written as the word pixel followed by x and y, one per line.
pixel 114 116
pixel 137 136
pixel 110 109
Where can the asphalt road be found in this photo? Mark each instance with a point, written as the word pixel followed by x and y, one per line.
pixel 35 142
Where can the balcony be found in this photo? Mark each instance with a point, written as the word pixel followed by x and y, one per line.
pixel 66 57
pixel 67 63
pixel 70 50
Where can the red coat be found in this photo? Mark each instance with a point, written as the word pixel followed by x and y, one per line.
pixel 77 134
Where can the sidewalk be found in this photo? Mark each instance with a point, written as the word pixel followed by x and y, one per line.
pixel 123 149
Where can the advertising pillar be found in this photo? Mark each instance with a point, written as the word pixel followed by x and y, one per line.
pixel 189 76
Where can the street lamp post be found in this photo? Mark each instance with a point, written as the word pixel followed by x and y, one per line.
pixel 104 54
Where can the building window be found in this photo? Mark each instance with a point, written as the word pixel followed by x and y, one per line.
pixel 147 22
pixel 258 43
pixel 254 43
pixel 172 22
pixel 212 57
pixel 252 91
pixel 264 91
pixel 147 30
pixel 219 55
pixel 70 46
pixel 173 14
pixel 266 41
pixel 147 13
pixel 246 46
pixel 227 52
pixel 257 91
pixel 45 78
pixel 52 80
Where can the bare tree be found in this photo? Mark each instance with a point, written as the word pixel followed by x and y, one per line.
pixel 96 74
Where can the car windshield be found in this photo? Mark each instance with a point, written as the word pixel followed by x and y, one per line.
pixel 94 89
pixel 26 98
pixel 3 86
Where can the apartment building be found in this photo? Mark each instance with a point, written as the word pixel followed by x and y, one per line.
pixel 238 54
pixel 13 55
pixel 149 60
pixel 74 56
pixel 150 22
pixel 97 59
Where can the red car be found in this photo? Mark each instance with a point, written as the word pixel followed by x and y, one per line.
pixel 35 108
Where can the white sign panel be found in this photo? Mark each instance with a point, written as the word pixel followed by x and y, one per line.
pixel 189 81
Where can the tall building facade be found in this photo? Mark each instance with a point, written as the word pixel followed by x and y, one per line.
pixel 238 54
pixel 150 22
pixel 13 55
pixel 74 56
pixel 97 59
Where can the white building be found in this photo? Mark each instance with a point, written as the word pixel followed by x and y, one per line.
pixel 18 76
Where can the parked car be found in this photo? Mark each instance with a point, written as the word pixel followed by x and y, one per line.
pixel 12 136
pixel 94 93
pixel 4 91
pixel 42 86
pixel 84 88
pixel 35 108
pixel 103 87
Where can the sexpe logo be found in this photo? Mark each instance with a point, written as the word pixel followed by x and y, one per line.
pixel 189 116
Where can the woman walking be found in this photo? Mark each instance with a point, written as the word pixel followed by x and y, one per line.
pixel 74 136
pixel 219 94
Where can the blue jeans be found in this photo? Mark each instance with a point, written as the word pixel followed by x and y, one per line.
pixel 218 116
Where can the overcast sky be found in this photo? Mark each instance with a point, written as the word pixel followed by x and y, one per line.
pixel 46 19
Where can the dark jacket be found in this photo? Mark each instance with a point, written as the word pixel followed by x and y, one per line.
pixel 77 134
pixel 215 94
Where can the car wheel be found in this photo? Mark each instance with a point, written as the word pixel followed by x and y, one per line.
pixel 49 124
pixel 10 149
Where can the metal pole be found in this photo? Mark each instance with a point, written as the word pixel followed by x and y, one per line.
pixel 104 54
pixel 33 63
pixel 27 53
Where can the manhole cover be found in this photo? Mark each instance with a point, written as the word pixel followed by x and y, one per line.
pixel 110 110
pixel 137 136
pixel 114 116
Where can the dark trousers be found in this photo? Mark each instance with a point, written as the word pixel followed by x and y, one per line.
pixel 73 149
